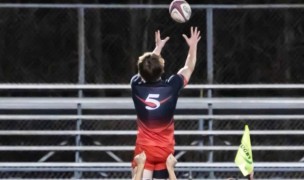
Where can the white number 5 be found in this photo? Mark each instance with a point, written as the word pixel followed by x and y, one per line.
pixel 152 102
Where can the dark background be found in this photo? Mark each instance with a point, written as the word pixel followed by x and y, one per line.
pixel 250 46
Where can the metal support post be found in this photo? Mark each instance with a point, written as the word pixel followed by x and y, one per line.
pixel 201 123
pixel 209 26
pixel 81 80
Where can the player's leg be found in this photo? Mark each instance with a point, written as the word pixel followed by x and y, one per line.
pixel 147 175
pixel 161 154
pixel 160 174
pixel 160 171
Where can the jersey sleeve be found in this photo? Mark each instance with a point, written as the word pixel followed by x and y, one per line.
pixel 135 79
pixel 177 81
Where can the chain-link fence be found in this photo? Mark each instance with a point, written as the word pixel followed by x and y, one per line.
pixel 117 37
pixel 41 45
pixel 250 46
pixel 258 46
pixel 38 45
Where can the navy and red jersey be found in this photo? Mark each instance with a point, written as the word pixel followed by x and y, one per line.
pixel 155 104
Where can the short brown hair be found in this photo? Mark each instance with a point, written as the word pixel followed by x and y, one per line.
pixel 150 66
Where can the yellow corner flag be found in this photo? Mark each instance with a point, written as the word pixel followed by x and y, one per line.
pixel 243 158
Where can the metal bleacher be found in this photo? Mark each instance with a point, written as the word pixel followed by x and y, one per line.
pixel 105 103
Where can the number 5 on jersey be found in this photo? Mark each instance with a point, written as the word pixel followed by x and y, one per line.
pixel 151 102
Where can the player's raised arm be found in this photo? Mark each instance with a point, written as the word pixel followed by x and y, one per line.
pixel 192 41
pixel 159 43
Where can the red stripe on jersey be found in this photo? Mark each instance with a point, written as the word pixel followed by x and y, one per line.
pixel 165 100
pixel 146 103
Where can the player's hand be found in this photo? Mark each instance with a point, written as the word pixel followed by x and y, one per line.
pixel 140 159
pixel 160 43
pixel 171 161
pixel 194 37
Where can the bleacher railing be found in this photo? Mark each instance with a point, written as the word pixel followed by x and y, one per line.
pixel 34 103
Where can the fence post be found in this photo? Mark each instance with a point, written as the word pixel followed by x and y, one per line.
pixel 201 123
pixel 209 26
pixel 81 80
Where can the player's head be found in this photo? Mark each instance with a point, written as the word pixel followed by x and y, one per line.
pixel 150 66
